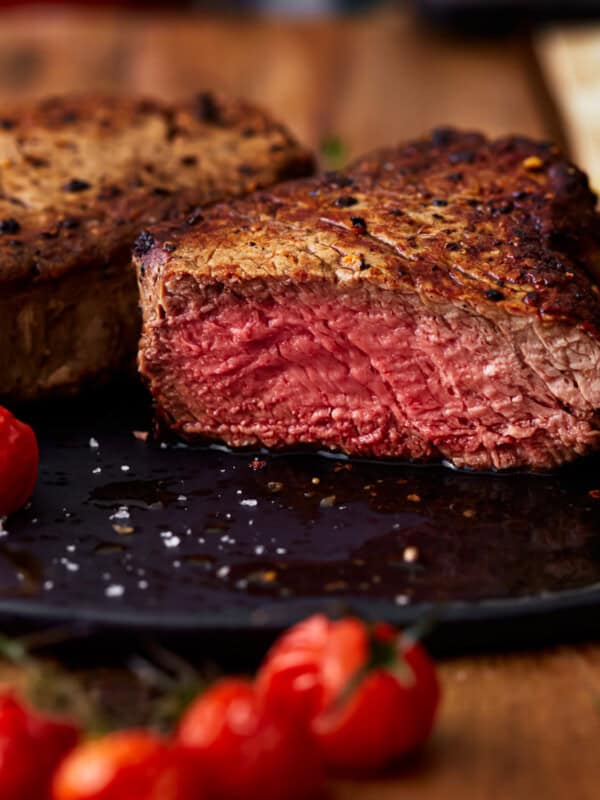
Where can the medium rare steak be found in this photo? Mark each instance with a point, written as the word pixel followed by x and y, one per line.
pixel 434 301
pixel 79 178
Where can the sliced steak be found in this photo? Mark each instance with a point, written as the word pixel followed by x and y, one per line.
pixel 435 301
pixel 79 178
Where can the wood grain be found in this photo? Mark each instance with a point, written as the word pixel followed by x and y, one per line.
pixel 518 727
pixel 570 55
pixel 371 80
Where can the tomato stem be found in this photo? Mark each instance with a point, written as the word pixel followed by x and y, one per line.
pixel 14 651
pixel 419 630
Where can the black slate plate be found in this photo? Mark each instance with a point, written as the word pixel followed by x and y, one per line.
pixel 136 536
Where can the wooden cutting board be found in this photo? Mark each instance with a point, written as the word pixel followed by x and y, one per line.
pixel 570 61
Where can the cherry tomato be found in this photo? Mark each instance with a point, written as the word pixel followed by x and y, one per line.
pixel 128 765
pixel 292 677
pixel 19 458
pixel 368 695
pixel 246 751
pixel 31 747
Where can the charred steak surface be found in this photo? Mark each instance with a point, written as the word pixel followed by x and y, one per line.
pixel 435 301
pixel 79 178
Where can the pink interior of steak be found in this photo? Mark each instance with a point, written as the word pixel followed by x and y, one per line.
pixel 375 373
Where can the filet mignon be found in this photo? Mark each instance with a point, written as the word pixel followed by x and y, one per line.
pixel 79 178
pixel 435 301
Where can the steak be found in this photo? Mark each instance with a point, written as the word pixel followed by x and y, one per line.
pixel 435 301
pixel 79 178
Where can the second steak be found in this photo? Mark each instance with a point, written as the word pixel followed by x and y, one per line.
pixel 80 177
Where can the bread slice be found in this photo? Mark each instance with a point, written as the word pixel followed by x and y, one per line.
pixel 80 177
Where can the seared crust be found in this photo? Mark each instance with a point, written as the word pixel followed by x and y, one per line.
pixel 508 224
pixel 80 176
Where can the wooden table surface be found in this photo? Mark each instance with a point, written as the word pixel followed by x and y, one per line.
pixel 512 727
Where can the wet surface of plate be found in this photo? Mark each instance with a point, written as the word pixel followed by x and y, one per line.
pixel 125 532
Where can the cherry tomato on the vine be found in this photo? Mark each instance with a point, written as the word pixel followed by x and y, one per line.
pixel 245 751
pixel 127 765
pixel 31 747
pixel 19 458
pixel 368 695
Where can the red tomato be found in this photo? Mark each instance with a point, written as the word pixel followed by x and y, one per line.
pixel 292 676
pixel 31 747
pixel 245 751
pixel 368 695
pixel 19 458
pixel 128 765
